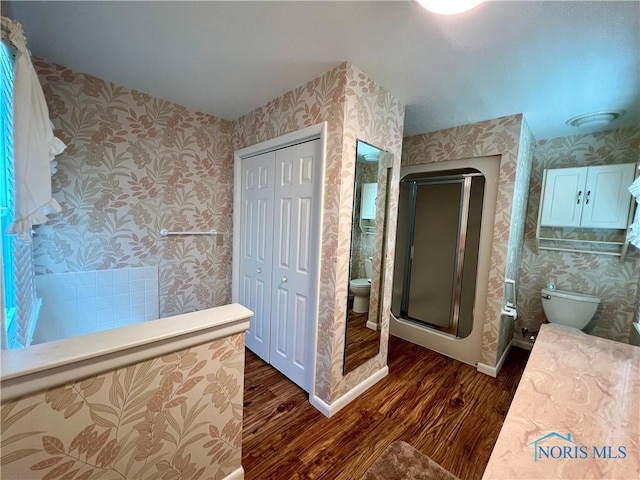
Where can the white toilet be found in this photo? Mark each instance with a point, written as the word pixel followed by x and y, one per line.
pixel 568 308
pixel 361 287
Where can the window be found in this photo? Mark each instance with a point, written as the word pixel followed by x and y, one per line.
pixel 6 185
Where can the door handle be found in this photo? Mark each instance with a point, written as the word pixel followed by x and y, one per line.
pixel 284 279
pixel 586 200
pixel 578 199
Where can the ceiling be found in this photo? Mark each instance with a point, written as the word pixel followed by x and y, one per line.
pixel 550 60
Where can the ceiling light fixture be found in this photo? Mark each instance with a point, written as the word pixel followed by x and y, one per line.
pixel 449 7
pixel 594 120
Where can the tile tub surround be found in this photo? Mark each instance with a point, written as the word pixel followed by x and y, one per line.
pixel 78 303
pixel 615 283
pixel 162 399
pixel 579 384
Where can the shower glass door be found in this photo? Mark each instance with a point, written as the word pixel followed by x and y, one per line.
pixel 441 221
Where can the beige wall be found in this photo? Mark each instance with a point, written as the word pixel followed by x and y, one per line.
pixel 614 282
pixel 510 138
pixel 177 416
pixel 354 107
pixel 135 164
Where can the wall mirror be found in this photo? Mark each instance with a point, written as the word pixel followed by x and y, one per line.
pixel 368 228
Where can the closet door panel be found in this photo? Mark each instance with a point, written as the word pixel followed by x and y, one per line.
pixel 295 242
pixel 256 247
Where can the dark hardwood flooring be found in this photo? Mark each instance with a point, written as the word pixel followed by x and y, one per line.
pixel 442 407
pixel 361 343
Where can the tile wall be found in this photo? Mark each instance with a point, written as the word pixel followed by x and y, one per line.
pixel 84 302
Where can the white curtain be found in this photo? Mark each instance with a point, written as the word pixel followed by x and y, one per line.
pixel 34 144
pixel 633 235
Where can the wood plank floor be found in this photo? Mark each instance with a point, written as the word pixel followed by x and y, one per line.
pixel 442 407
pixel 361 342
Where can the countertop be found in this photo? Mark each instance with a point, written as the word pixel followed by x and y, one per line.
pixel 575 414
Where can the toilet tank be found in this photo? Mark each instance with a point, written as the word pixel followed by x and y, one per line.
pixel 367 266
pixel 569 308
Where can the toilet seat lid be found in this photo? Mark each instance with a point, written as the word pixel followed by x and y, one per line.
pixel 360 282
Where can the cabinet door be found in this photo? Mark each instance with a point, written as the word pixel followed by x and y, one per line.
pixel 368 201
pixel 563 196
pixel 256 249
pixel 607 198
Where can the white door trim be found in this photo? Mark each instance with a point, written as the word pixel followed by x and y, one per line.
pixel 299 136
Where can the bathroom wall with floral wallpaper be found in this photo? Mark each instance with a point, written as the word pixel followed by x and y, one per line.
pixel 615 283
pixel 176 416
pixel 354 107
pixel 135 164
pixel 510 138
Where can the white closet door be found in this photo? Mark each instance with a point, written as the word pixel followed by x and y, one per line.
pixel 256 249
pixel 296 236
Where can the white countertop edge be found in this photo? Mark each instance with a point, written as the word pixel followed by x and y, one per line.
pixel 27 370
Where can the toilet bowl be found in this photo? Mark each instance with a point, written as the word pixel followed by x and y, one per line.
pixel 361 287
pixel 568 308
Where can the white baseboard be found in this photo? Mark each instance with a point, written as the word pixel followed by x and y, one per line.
pixel 522 344
pixel 373 325
pixel 237 474
pixel 493 371
pixel 329 410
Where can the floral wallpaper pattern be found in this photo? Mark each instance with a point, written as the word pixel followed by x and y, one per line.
pixel 353 107
pixel 135 164
pixel 615 283
pixel 501 136
pixel 374 116
pixel 177 416
pixel 518 221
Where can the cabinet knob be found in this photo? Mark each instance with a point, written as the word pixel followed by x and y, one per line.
pixel 578 199
pixel 586 200
pixel 284 279
pixel 259 270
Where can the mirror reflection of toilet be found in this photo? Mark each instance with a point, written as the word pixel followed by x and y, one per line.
pixel 361 287
pixel 568 308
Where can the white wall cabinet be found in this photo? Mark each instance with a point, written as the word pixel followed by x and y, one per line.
pixel 587 197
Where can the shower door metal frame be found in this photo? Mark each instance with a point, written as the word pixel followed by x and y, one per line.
pixel 454 315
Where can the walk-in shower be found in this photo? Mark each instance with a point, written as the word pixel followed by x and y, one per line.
pixel 442 252
pixel 437 249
